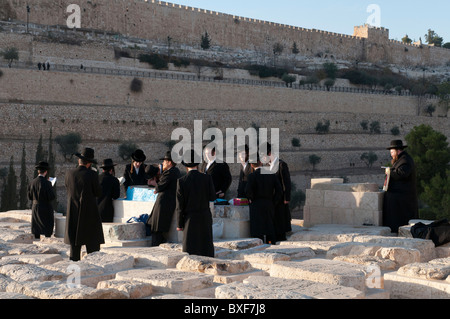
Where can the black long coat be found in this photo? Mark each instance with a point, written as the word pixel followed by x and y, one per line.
pixel 162 213
pixel 110 191
pixel 264 191
pixel 133 179
pixel 221 176
pixel 283 217
pixel 400 200
pixel 243 178
pixel 40 191
pixel 83 221
pixel 195 191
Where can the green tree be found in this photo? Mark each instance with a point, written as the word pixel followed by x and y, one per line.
pixel 295 49
pixel 288 79
pixel 23 194
pixel 126 149
pixel 431 154
pixel 369 158
pixel 406 40
pixel 9 193
pixel 206 41
pixel 39 157
pixel 314 160
pixel 444 94
pixel 68 144
pixel 433 38
pixel 10 54
pixel 436 195
pixel 330 69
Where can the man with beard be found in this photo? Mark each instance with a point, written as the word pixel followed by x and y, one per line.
pixel 400 200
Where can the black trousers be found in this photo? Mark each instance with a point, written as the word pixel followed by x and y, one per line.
pixel 75 251
pixel 158 238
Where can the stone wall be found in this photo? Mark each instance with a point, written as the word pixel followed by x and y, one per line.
pixel 157 20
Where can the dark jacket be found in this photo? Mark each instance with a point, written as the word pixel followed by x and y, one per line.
pixel 83 221
pixel 195 191
pixel 162 213
pixel 283 217
pixel 110 191
pixel 40 191
pixel 133 179
pixel 221 176
pixel 243 178
pixel 400 201
pixel 264 191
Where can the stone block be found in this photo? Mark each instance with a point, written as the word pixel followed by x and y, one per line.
pixel 322 270
pixel 29 272
pixel 239 244
pixel 111 263
pixel 126 209
pixel 127 231
pixel 16 236
pixel 134 289
pixel 41 259
pixel 314 197
pixel 292 252
pixel 60 290
pixel 406 287
pixel 318 181
pixel 368 260
pixel 212 266
pixel 168 281
pixel 263 287
pixel 149 256
pixel 436 269
pixel 400 255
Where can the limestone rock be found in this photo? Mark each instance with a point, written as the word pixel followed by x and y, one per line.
pixel 34 259
pixel 212 266
pixel 239 244
pixel 438 269
pixel 400 255
pixel 134 289
pixel 322 270
pixel 384 264
pixel 28 272
pixel 110 262
pixel 168 281
pixel 16 236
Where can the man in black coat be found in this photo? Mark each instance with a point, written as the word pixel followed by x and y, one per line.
pixel 264 192
pixel 282 219
pixel 195 191
pixel 40 191
pixel 245 170
pixel 83 221
pixel 162 213
pixel 400 200
pixel 220 172
pixel 134 174
pixel 110 191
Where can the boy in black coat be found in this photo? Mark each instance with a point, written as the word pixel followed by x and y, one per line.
pixel 40 191
pixel 110 191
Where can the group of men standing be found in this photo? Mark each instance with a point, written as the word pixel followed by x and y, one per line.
pixel 188 197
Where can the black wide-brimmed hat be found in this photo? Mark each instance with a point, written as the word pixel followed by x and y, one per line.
pixel 108 163
pixel 191 163
pixel 139 156
pixel 397 144
pixel 42 166
pixel 167 157
pixel 151 171
pixel 87 155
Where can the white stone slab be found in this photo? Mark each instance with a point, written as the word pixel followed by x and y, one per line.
pixel 168 281
pixel 41 259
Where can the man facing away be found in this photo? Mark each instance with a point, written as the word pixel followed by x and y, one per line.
pixel 110 191
pixel 195 191
pixel 40 191
pixel 83 221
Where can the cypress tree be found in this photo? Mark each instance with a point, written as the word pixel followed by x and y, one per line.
pixel 39 155
pixel 23 195
pixel 9 194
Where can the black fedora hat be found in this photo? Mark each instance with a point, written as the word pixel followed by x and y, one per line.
pixel 397 144
pixel 87 155
pixel 139 156
pixel 191 162
pixel 167 157
pixel 108 163
pixel 42 166
pixel 151 171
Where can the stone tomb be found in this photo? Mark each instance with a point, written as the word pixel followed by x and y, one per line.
pixel 331 201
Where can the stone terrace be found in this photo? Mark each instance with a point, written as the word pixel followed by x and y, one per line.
pixel 318 262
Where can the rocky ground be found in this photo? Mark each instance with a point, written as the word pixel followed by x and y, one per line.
pixel 321 262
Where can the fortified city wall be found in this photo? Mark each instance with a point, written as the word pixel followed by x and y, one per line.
pixel 158 20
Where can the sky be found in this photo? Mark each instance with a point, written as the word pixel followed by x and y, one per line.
pixel 401 17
